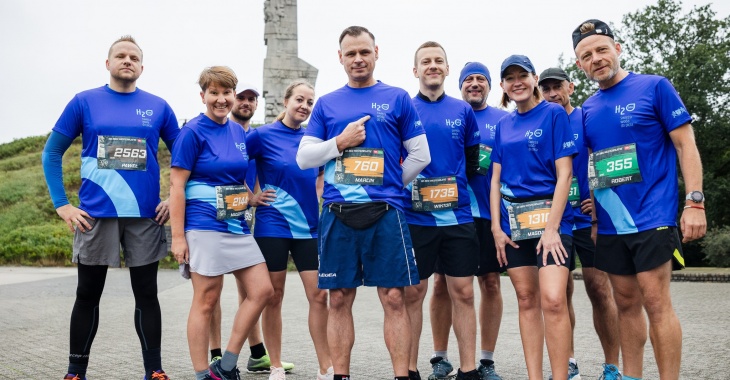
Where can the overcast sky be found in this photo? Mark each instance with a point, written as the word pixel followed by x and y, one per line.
pixel 53 49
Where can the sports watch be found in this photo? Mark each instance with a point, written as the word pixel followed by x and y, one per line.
pixel 695 196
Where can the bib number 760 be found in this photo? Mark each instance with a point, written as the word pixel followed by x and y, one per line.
pixel 366 166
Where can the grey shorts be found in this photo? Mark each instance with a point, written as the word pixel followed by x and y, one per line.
pixel 214 253
pixel 140 240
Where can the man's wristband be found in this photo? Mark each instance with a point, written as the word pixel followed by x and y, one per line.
pixel 693 206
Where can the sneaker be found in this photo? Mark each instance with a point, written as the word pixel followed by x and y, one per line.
pixel 573 373
pixel 471 375
pixel 414 375
pixel 157 375
pixel 71 376
pixel 442 369
pixel 277 374
pixel 215 358
pixel 217 373
pixel 610 372
pixel 486 370
pixel 263 364
pixel 327 376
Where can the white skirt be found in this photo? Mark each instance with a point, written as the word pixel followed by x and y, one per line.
pixel 214 253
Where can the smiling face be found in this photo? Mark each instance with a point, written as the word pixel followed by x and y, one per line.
pixel 298 106
pixel 431 68
pixel 598 57
pixel 218 101
pixel 475 90
pixel 244 106
pixel 557 91
pixel 124 63
pixel 520 85
pixel 358 55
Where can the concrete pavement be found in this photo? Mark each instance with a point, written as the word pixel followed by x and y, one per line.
pixel 37 302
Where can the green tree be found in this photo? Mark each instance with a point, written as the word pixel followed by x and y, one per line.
pixel 692 50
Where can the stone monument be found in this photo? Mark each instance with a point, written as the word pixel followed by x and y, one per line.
pixel 282 64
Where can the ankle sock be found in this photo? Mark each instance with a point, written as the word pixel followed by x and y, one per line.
pixel 488 355
pixel 341 377
pixel 215 352
pixel 200 375
pixel 229 360
pixel 258 350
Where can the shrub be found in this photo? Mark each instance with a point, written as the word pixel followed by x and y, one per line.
pixel 717 246
pixel 44 244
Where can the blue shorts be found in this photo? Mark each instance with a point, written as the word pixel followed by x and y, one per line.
pixel 380 255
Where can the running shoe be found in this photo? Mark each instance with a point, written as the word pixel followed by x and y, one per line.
pixel 610 372
pixel 263 364
pixel 71 376
pixel 573 373
pixel 217 373
pixel 442 369
pixel 215 358
pixel 277 373
pixel 157 375
pixel 486 370
pixel 327 376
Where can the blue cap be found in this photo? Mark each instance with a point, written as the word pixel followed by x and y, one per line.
pixel 474 68
pixel 517 60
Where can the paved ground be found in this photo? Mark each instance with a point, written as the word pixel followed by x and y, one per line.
pixel 36 305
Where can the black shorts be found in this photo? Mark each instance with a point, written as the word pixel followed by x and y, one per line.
pixel 276 253
pixel 526 255
pixel 584 247
pixel 639 252
pixel 488 262
pixel 454 249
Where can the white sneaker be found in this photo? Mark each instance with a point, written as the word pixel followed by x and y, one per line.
pixel 327 376
pixel 277 373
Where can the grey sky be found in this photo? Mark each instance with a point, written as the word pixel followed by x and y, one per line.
pixel 53 49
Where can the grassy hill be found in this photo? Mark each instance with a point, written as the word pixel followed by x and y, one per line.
pixel 31 233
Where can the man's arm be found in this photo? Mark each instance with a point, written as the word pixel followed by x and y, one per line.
pixel 419 156
pixel 694 221
pixel 314 152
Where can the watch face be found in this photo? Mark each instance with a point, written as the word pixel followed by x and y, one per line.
pixel 697 196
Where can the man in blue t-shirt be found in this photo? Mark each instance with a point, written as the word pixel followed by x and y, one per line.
pixel 359 133
pixel 636 127
pixel 439 214
pixel 557 88
pixel 120 127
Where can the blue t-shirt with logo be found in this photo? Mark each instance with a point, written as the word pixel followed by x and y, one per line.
pixel 580 169
pixel 527 146
pixel 294 213
pixel 450 127
pixel 393 119
pixel 216 155
pixel 131 123
pixel 479 184
pixel 641 110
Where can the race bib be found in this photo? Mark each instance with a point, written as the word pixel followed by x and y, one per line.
pixel 574 194
pixel 485 159
pixel 231 201
pixel 528 220
pixel 360 166
pixel 613 166
pixel 435 194
pixel 121 153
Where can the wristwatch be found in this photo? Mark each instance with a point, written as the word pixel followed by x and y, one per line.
pixel 695 196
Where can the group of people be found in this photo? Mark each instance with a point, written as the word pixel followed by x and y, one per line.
pixel 411 188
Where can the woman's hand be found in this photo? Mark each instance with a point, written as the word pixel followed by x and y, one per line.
pixel 500 242
pixel 550 243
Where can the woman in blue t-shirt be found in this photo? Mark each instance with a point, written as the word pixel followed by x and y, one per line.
pixel 532 170
pixel 286 220
pixel 208 199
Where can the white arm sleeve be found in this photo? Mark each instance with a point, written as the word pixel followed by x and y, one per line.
pixel 419 156
pixel 314 152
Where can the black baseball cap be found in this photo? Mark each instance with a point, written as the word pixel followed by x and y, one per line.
pixel 553 73
pixel 599 27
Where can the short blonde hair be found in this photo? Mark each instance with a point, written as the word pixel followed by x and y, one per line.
pixel 124 38
pixel 220 75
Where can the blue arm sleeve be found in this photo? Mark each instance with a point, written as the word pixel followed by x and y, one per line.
pixel 56 146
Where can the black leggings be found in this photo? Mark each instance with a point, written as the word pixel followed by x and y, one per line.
pixel 85 314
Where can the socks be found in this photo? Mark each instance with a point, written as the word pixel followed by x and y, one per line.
pixel 630 378
pixel 258 351
pixel 229 360
pixel 488 355
pixel 572 360
pixel 413 375
pixel 443 354
pixel 201 375
pixel 215 352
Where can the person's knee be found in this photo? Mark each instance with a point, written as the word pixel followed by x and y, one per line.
pixel 318 298
pixel 553 303
pixel 490 284
pixel 440 287
pixel 393 299
pixel 339 300
pixel 416 293
pixel 658 304
pixel 528 298
pixel 276 298
pixel 599 290
pixel 463 293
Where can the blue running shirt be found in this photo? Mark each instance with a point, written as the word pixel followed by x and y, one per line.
pixel 294 214
pixel 527 146
pixel 641 109
pixel 138 117
pixel 479 184
pixel 393 119
pixel 450 127
pixel 580 169
pixel 215 154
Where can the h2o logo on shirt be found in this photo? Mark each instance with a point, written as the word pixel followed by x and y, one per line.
pixel 621 109
pixel 241 148
pixel 454 123
pixel 380 110
pixel 530 134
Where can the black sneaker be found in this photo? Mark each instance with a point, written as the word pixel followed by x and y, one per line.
pixel 471 375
